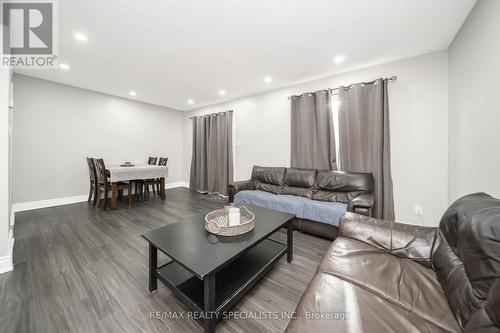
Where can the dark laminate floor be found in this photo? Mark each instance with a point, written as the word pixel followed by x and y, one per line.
pixel 81 270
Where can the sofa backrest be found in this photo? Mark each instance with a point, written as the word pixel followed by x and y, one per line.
pixel 297 177
pixel 341 181
pixel 268 175
pixel 341 186
pixel 299 182
pixel 338 186
pixel 466 257
pixel 269 179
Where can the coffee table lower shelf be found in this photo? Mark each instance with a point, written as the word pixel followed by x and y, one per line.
pixel 232 282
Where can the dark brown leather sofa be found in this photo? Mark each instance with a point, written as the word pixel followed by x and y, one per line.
pixel 381 276
pixel 353 189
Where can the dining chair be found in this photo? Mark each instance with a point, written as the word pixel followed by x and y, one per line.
pixel 156 182
pixel 147 182
pixel 93 182
pixel 142 185
pixel 104 184
pixel 162 162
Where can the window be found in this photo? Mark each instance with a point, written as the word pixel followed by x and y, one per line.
pixel 334 102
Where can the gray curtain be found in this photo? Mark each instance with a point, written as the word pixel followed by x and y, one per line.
pixel 313 139
pixel 364 139
pixel 212 159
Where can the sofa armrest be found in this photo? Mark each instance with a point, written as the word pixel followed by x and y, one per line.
pixel 402 240
pixel 235 187
pixel 362 204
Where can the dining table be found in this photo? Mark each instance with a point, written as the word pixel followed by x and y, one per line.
pixel 128 173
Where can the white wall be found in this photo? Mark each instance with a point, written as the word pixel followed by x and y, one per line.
pixel 5 199
pixel 419 130
pixel 57 126
pixel 474 132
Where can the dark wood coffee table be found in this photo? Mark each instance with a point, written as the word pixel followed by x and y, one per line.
pixel 211 273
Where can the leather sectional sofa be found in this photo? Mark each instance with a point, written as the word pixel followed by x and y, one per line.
pixel 317 198
pixel 381 276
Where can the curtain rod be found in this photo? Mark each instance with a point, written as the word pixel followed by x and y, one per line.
pixel 210 114
pixel 392 78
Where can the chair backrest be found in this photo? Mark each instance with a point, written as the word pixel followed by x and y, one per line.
pixel 100 170
pixel 90 163
pixel 152 160
pixel 163 161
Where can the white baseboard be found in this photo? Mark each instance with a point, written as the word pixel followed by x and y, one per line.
pixel 6 264
pixel 12 218
pixel 6 261
pixel 24 206
pixel 177 184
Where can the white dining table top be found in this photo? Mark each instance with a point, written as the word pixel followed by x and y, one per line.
pixel 140 171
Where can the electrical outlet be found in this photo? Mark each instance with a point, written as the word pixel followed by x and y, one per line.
pixel 419 210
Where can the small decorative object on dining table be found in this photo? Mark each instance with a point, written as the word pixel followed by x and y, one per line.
pixel 127 164
pixel 217 221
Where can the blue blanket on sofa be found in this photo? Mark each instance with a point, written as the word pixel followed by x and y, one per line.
pixel 320 211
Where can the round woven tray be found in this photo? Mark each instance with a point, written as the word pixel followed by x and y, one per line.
pixel 217 222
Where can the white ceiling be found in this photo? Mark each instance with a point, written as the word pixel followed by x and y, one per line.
pixel 169 51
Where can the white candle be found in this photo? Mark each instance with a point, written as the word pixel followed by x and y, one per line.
pixel 234 216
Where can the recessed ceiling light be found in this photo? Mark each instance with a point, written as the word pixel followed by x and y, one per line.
pixel 190 101
pixel 64 66
pixel 80 37
pixel 222 92
pixel 267 79
pixel 339 59
pixel 132 93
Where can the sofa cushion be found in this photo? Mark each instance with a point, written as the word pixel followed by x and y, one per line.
pixel 297 177
pixel 283 203
pixel 487 319
pixel 344 197
pixel 400 281
pixel 340 181
pixel 403 240
pixel 324 212
pixel 366 312
pixel 305 192
pixel 269 175
pixel 276 189
pixel 466 256
pixel 493 306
